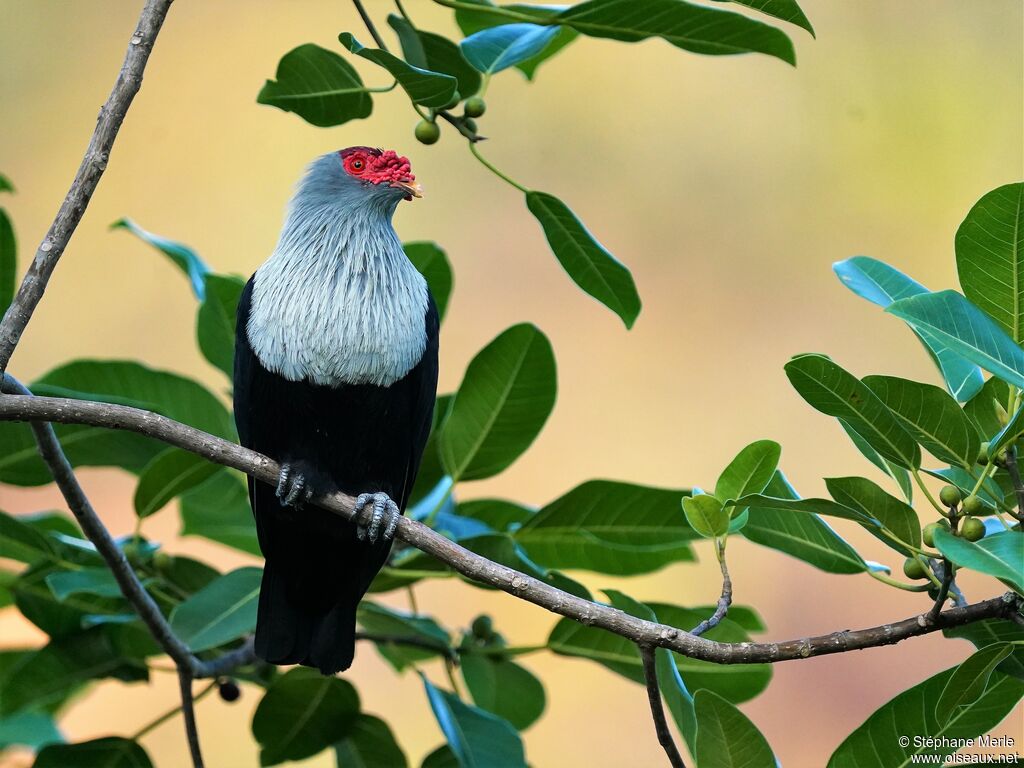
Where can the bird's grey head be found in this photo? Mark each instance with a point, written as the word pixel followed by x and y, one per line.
pixel 358 178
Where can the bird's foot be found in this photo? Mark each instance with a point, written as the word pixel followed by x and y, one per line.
pixel 293 487
pixel 385 515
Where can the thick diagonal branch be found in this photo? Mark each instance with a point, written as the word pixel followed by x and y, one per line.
pixel 479 568
pixel 88 176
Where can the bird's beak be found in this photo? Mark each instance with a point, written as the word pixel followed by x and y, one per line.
pixel 411 189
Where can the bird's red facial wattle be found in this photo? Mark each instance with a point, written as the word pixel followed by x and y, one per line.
pixel 376 166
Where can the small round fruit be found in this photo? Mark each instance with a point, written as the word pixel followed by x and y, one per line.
pixel 475 107
pixel 229 690
pixel 913 569
pixel 427 132
pixel 972 529
pixel 974 506
pixel 950 495
pixel 483 626
pixel 983 454
pixel 162 561
pixel 928 534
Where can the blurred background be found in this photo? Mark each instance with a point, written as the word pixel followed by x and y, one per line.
pixel 728 185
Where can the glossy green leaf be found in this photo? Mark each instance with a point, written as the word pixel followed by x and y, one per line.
pixel 802 535
pixel 505 397
pixel 429 89
pixel 303 713
pixel 442 757
pixel 786 10
pixel 990 257
pixel 1008 434
pixel 219 510
pixel 834 391
pixel 432 262
pixel 223 611
pixel 984 633
pixel 431 51
pixel 882 285
pixel 588 263
pixel 726 738
pixel 931 416
pixel 497 48
pixel 986 408
pixel 92 581
pixel 29 729
pixel 386 622
pixel 8 261
pixel 969 681
pixel 370 744
pixel 496 514
pixel 690 27
pixel 215 321
pixel 108 752
pixel 706 515
pixel 864 496
pixel 170 474
pixel 477 738
pixel 58 618
pixel 749 472
pixel 912 713
pixel 319 86
pixel 988 492
pixel 609 527
pixel 1000 555
pixel 504 688
pixel 967 330
pixel 186 259
pixel 21 542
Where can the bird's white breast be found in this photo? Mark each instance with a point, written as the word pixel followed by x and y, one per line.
pixel 347 308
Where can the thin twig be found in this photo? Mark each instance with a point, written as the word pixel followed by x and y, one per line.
pixel 188 714
pixel 724 601
pixel 88 176
pixel 1013 471
pixel 658 708
pixel 947 572
pixel 484 571
pixel 369 25
pixel 154 724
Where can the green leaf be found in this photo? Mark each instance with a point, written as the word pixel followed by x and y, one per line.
pixel 1000 555
pixel 108 752
pixel 442 757
pixel 185 258
pixel 802 535
pixel 864 496
pixel 503 687
pixel 786 10
pixel 430 89
pixel 609 527
pixel 967 330
pixel 30 729
pixel 726 738
pixel 303 713
pixel 749 472
pixel 1007 434
pixel 969 681
pixel 931 416
pixel 497 514
pixel 223 611
pixel 215 321
pixel 505 397
pixel 58 618
pixel 492 50
pixel 478 738
pixel 5 184
pixel 834 391
pixel 990 257
pixel 167 476
pixel 982 409
pixel 319 86
pixel 431 472
pixel 984 633
pixel 92 581
pixel 690 27
pixel 8 261
pixel 21 542
pixel 432 262
pixel 436 53
pixel 588 263
pixel 385 622
pixel 877 741
pixel 988 492
pixel 370 744
pixel 882 285
pixel 706 515
pixel 219 510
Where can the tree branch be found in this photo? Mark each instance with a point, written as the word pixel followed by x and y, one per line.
pixel 188 714
pixel 480 569
pixel 84 184
pixel 658 708
pixel 724 601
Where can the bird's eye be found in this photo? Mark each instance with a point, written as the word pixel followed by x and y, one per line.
pixel 358 165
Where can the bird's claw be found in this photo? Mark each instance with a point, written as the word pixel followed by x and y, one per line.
pixel 385 513
pixel 292 488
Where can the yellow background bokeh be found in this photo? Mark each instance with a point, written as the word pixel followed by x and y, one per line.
pixel 728 185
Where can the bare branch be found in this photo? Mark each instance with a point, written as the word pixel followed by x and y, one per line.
pixel 478 568
pixel 658 708
pixel 724 601
pixel 88 176
pixel 188 714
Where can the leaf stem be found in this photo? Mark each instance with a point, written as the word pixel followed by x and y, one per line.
pixel 928 494
pixel 486 164
pixel 369 25
pixel 898 584
pixel 494 11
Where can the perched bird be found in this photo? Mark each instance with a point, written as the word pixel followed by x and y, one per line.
pixel 335 378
